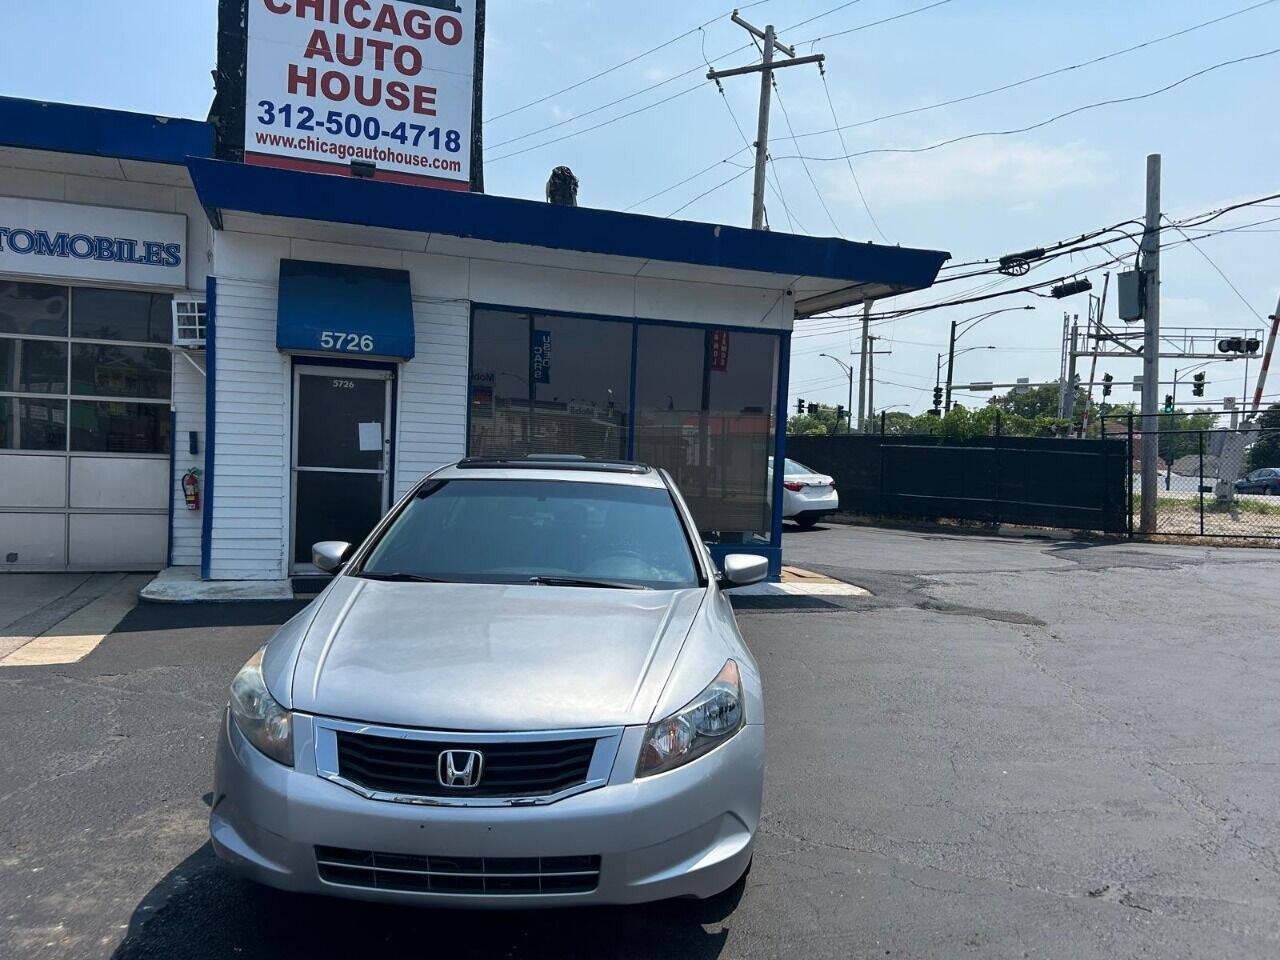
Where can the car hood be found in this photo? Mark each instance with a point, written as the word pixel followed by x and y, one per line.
pixel 490 657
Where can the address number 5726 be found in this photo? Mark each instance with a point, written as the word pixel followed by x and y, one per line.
pixel 348 342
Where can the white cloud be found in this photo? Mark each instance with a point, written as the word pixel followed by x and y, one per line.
pixel 1016 174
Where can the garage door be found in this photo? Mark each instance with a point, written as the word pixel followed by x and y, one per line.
pixel 84 427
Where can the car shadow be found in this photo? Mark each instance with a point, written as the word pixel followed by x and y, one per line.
pixel 201 910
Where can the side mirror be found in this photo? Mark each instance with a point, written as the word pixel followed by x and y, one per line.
pixel 330 555
pixel 744 569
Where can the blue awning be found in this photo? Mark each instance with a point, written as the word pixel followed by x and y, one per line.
pixel 344 310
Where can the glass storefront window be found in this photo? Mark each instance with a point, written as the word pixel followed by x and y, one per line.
pixel 33 366
pixel 109 371
pixel 705 411
pixel 118 427
pixel 549 384
pixel 117 373
pixel 33 308
pixel 705 404
pixel 121 315
pixel 31 424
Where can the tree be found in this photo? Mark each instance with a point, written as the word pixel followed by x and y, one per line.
pixel 822 422
pixel 1041 401
pixel 1266 452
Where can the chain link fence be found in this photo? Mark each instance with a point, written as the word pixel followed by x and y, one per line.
pixel 1215 481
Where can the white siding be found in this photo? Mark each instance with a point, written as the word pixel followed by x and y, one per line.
pixel 188 404
pixel 251 444
pixel 431 415
pixel 251 519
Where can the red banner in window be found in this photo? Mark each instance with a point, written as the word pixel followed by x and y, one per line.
pixel 720 350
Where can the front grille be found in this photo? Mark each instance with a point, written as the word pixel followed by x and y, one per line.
pixel 533 768
pixel 493 876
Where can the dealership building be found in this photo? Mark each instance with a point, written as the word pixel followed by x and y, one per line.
pixel 209 364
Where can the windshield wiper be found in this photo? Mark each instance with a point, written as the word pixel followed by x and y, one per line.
pixel 548 581
pixel 399 577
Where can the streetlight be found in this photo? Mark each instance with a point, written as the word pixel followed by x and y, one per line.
pixel 956 334
pixel 848 369
pixel 937 370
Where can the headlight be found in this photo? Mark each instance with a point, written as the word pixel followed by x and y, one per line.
pixel 264 723
pixel 711 718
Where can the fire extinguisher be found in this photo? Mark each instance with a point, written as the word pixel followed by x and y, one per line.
pixel 191 489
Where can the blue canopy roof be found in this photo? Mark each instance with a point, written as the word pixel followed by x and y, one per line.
pixel 96 132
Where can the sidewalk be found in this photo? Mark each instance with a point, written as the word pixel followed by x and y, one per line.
pixel 60 617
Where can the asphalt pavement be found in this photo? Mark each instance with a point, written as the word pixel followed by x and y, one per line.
pixel 1011 748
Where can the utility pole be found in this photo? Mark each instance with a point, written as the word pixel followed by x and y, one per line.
pixel 765 68
pixel 1151 347
pixel 1069 388
pixel 871 380
pixel 862 363
pixel 951 366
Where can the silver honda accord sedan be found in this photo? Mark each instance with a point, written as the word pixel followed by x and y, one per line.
pixel 525 688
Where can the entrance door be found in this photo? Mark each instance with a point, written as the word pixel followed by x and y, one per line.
pixel 341 452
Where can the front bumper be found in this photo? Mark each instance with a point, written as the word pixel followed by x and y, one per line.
pixel 686 833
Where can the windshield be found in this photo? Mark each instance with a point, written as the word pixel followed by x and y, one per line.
pixel 515 531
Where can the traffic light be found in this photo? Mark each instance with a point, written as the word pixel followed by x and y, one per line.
pixel 937 397
pixel 1239 345
pixel 813 409
pixel 1070 289
pixel 800 407
pixel 840 413
pixel 1107 380
pixel 1168 403
pixel 1197 387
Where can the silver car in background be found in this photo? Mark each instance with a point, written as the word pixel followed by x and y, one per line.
pixel 526 688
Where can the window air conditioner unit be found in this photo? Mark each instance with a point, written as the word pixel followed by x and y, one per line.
pixel 188 322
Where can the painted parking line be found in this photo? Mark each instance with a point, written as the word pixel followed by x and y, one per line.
pixel 76 636
pixel 798 582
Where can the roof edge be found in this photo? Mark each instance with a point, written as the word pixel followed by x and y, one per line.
pixel 101 132
pixel 272 191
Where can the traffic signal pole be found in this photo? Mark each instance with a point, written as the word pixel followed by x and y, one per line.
pixel 1151 349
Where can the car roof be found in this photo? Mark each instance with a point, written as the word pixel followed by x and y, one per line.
pixel 552 467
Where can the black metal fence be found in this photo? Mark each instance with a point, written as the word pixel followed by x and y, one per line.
pixel 1038 481
pixel 1211 483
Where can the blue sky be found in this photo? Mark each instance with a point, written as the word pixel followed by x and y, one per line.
pixel 979 198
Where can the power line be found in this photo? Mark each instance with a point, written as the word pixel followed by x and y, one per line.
pixel 676 186
pixel 605 123
pixel 845 147
pixel 804 23
pixel 1042 123
pixel 813 183
pixel 618 66
pixel 707 193
pixel 868 26
pixel 1196 247
pixel 1041 76
pixel 686 73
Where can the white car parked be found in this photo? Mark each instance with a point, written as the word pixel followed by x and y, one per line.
pixel 807 496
